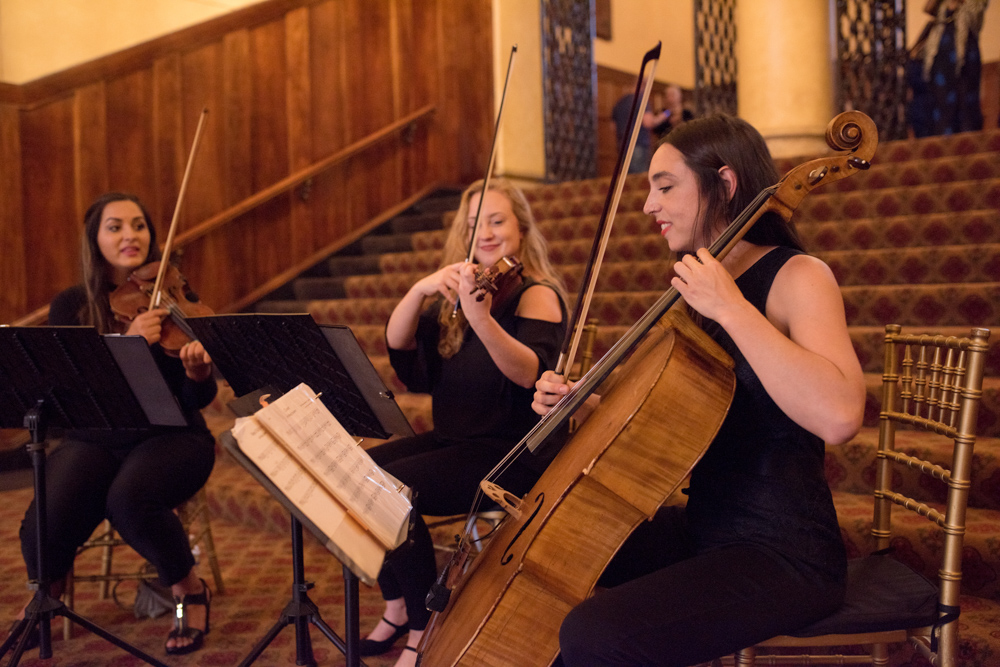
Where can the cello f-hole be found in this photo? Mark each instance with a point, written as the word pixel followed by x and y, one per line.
pixel 507 556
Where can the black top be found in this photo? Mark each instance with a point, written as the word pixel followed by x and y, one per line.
pixel 192 396
pixel 471 399
pixel 761 481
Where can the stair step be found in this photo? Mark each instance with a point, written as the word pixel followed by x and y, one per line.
pixel 416 222
pixel 341 265
pixel 375 245
pixel 930 306
pixel 309 289
pixel 441 202
pixel 825 205
pixel 949 228
pixel 924 265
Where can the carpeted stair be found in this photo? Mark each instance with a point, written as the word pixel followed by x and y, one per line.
pixel 915 241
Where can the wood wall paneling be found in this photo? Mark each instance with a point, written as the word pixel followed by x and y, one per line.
pixel 237 170
pixel 299 111
pixel 269 138
pixel 327 62
pixel 208 262
pixel 168 136
pixel 129 135
pixel 13 277
pixel 370 104
pixel 50 226
pixel 90 141
pixel 467 115
pixel 417 51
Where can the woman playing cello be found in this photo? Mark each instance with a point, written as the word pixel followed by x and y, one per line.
pixel 133 478
pixel 480 377
pixel 757 550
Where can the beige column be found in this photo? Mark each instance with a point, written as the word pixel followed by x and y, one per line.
pixel 521 144
pixel 785 61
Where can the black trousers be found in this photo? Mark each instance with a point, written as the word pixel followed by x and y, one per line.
pixel 445 476
pixel 136 487
pixel 669 605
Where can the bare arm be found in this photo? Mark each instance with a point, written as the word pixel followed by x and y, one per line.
pixel 800 350
pixel 401 330
pixel 516 361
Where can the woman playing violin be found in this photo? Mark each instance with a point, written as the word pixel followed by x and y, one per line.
pixel 757 551
pixel 133 478
pixel 480 370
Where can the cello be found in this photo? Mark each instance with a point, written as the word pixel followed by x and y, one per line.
pixel 621 465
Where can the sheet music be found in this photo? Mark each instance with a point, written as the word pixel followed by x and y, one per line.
pixel 350 540
pixel 318 441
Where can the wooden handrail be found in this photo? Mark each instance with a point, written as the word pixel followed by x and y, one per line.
pixel 301 176
pixel 271 192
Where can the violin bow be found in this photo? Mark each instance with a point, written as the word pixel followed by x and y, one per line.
pixel 489 170
pixel 574 329
pixel 154 299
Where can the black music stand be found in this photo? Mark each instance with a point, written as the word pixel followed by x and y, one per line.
pixel 270 354
pixel 74 378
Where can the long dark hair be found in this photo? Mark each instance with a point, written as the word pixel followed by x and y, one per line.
pixel 710 143
pixel 97 273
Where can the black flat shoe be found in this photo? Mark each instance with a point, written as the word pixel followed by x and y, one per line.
pixel 370 647
pixel 182 629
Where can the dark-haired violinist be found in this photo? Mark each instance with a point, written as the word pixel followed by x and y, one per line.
pixel 133 478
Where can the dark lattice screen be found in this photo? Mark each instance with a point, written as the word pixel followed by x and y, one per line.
pixel 871 54
pixel 715 57
pixel 570 81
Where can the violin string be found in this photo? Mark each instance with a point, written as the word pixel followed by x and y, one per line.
pixel 177 314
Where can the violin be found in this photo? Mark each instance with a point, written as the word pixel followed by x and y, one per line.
pixel 133 298
pixel 160 284
pixel 486 186
pixel 500 280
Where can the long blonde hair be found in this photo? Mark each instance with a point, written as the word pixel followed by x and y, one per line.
pixel 533 255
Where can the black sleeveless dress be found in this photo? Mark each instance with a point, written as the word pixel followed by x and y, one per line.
pixel 761 481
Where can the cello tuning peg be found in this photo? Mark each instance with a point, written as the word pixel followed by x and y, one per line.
pixel 859 163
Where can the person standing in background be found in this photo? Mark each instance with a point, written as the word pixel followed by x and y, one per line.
pixel 951 70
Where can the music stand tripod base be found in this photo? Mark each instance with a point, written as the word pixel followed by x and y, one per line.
pixel 73 378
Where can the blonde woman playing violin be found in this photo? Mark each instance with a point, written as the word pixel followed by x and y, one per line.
pixel 480 370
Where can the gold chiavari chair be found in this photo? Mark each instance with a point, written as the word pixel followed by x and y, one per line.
pixel 934 384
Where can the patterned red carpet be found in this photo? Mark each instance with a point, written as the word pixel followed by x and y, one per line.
pixel 256 568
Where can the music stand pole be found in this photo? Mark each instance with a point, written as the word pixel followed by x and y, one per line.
pixel 301 611
pixel 271 354
pixel 43 607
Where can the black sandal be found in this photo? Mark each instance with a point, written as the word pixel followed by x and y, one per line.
pixel 182 629
pixel 370 647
